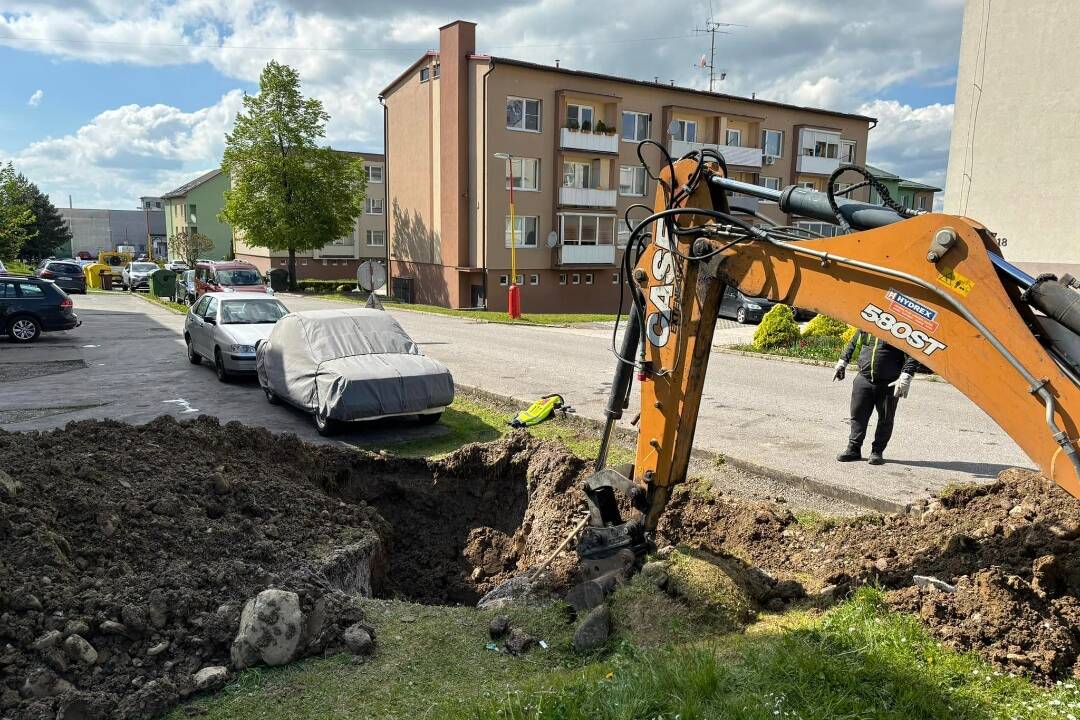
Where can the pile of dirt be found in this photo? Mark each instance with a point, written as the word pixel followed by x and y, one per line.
pixel 1010 550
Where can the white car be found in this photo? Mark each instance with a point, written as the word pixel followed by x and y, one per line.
pixel 136 275
pixel 225 328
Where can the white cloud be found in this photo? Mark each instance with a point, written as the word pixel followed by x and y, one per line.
pixel 35 99
pixel 909 141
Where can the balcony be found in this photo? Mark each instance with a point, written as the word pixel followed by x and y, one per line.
pixel 733 155
pixel 589 142
pixel 585 255
pixel 587 197
pixel 816 165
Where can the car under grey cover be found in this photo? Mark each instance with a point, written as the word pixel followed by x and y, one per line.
pixel 351 365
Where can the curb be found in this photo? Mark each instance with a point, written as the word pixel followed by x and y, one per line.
pixel 801 482
pixel 163 306
pixel 725 350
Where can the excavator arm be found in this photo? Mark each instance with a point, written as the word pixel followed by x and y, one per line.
pixel 933 285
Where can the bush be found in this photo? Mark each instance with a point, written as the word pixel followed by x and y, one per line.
pixel 777 328
pixel 586 126
pixel 572 125
pixel 824 326
pixel 344 288
pixel 849 333
pixel 325 286
pixel 600 127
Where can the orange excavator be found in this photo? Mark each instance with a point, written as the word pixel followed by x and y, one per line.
pixel 933 285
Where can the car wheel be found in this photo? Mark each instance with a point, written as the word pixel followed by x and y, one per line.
pixel 325 425
pixel 193 357
pixel 271 396
pixel 430 418
pixel 219 366
pixel 740 316
pixel 24 329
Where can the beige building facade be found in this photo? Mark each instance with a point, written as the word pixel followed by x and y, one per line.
pixel 339 259
pixel 574 138
pixel 1015 143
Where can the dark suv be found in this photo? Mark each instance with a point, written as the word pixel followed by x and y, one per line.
pixel 67 274
pixel 30 306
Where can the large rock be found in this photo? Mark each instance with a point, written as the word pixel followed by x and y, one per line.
pixel 594 630
pixel 211 678
pixel 80 650
pixel 358 639
pixel 271 629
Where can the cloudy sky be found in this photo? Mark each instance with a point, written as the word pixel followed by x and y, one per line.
pixel 107 100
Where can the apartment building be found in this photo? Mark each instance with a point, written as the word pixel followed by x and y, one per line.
pixel 194 207
pixel 338 259
pixel 909 193
pixel 573 137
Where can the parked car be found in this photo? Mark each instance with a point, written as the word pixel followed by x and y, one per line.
pixel 346 365
pixel 30 306
pixel 225 328
pixel 228 276
pixel 67 274
pixel 177 266
pixel 743 309
pixel 136 275
pixel 185 287
pixel 84 255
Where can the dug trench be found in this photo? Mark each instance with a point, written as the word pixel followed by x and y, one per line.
pixel 143 544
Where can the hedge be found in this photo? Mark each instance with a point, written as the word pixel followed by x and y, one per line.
pixel 824 326
pixel 326 286
pixel 777 328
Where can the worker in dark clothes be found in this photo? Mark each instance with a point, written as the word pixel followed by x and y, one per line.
pixel 884 377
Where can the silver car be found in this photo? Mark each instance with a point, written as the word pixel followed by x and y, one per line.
pixel 137 275
pixel 226 327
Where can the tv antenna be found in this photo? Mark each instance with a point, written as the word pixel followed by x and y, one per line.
pixel 714 27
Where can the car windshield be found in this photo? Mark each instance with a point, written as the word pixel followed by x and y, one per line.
pixel 143 267
pixel 189 276
pixel 242 276
pixel 251 312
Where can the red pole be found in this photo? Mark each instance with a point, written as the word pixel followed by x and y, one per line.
pixel 513 298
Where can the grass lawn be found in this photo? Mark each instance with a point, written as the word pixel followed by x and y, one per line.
pixel 812 348
pixel 487 315
pixel 18 267
pixel 178 308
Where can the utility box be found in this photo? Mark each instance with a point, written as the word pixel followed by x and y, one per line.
pixel 279 279
pixel 162 283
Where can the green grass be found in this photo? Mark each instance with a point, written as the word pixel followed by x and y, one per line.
pixel 486 315
pixel 178 308
pixel 818 522
pixel 18 267
pixel 812 348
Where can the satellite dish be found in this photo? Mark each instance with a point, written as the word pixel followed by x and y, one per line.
pixel 371 275
pixel 553 239
pixel 673 127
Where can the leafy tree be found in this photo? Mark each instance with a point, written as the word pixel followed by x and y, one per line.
pixel 287 193
pixel 52 231
pixel 188 246
pixel 16 217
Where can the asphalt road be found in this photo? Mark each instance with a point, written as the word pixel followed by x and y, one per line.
pixel 126 362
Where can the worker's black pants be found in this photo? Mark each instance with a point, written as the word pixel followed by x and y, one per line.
pixel 867 397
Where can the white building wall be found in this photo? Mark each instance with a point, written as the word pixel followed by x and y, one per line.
pixel 90 230
pixel 1015 146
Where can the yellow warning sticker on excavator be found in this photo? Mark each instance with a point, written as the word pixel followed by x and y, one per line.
pixel 955 281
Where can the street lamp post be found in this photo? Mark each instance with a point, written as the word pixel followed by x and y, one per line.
pixel 513 299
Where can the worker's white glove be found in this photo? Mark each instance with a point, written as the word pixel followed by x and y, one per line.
pixel 901 386
pixel 841 370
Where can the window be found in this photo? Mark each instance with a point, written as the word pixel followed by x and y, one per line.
pixel 346 241
pixel 504 279
pixel 808 184
pixel 577 175
pixel 922 202
pixel 588 278
pixel 519 279
pixel 7 289
pixel 191 214
pixel 817 143
pixel 435 71
pixel 772 143
pixel 522 114
pixel 632 180
pixel 210 311
pixel 562 280
pixel 839 188
pixel 374 173
pixel 614 278
pixel 524 231
pixel 534 279
pixel 685 130
pixel 376 238
pixel 526 173
pixel 575 279
pixel 425 74
pixel 31 291
pixel 581 115
pixel 635 126
pixel 733 138
pixel 773 183
pixel 847 151
pixel 200 307
pixel 587 229
pixel 821 228
pixel 374 206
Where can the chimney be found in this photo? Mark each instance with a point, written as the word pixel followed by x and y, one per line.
pixel 456 42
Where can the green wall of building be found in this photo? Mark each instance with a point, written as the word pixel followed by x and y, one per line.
pixel 208 199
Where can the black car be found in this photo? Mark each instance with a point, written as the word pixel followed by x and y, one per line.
pixel 30 306
pixel 67 274
pixel 744 309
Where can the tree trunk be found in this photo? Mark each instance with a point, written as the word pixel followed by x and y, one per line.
pixel 292 270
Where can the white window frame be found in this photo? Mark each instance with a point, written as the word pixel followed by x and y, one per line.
pixel 764 181
pixel 765 144
pixel 372 170
pixel 534 279
pixel 921 202
pixel 638 136
pixel 588 278
pixel 844 144
pixel 370 234
pixel 684 127
pixel 504 280
pixel 520 234
pixel 816 143
pixel 839 187
pixel 562 278
pixel 523 127
pixel 578 108
pixel 372 203
pixel 575 279
pixel 614 278
pixel 580 218
pixel 519 280
pixel 582 172
pixel 519 174
pixel 639 175
pixel 425 74
pixel 807 184
pixel 738 137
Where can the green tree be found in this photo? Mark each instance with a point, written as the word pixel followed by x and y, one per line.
pixel 16 216
pixel 287 192
pixel 188 246
pixel 51 231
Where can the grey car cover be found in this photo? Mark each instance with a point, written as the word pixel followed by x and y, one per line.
pixel 350 365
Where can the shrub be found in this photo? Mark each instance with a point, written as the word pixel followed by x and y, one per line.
pixel 777 328
pixel 572 125
pixel 849 333
pixel 600 127
pixel 325 286
pixel 586 126
pixel 824 326
pixel 343 288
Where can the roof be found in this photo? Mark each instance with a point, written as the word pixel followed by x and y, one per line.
pixel 912 185
pixel 905 184
pixel 881 174
pixel 188 187
pixel 408 71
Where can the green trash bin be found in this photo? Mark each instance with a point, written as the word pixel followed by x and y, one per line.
pixel 162 283
pixel 279 279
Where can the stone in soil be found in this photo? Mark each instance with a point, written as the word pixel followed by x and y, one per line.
pixel 593 630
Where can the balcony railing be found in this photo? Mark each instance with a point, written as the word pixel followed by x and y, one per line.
pixel 734 155
pixel 585 255
pixel 816 165
pixel 590 142
pixel 587 197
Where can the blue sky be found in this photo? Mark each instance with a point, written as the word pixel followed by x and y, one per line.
pixel 135 98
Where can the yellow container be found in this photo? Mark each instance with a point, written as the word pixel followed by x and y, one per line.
pixel 93 274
